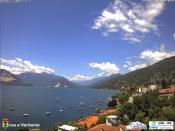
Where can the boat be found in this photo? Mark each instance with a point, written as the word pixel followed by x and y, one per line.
pixel 25 115
pixel 91 106
pixel 47 113
pixel 81 103
pixel 60 110
pixel 12 109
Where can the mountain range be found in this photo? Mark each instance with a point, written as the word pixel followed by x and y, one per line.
pixel 153 74
pixel 95 81
pixel 34 79
pixel 7 78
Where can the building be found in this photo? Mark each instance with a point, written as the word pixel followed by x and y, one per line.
pixel 169 92
pixel 131 99
pixel 172 87
pixel 105 127
pixel 152 87
pixel 110 125
pixel 111 120
pixel 67 128
pixel 136 126
pixel 142 89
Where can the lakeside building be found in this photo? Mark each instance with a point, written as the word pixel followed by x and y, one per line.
pixel 110 125
pixel 142 89
pixel 105 127
pixel 67 128
pixel 168 92
pixel 152 87
pixel 131 99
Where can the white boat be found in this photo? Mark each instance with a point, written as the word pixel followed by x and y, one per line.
pixel 60 110
pixel 81 103
pixel 12 109
pixel 25 115
pixel 47 113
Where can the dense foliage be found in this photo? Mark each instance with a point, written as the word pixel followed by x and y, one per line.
pixel 154 74
pixel 149 106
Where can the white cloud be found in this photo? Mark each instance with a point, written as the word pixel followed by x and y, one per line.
pixel 149 57
pixel 131 19
pixel 174 36
pixel 106 67
pixel 137 66
pixel 155 56
pixel 127 64
pixel 79 77
pixel 19 65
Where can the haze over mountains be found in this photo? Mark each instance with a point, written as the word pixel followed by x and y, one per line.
pixel 97 80
pixel 152 74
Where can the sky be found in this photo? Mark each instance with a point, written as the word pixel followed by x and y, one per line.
pixel 82 40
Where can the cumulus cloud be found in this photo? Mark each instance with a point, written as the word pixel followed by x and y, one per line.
pixel 106 67
pixel 131 19
pixel 155 56
pixel 18 66
pixel 149 57
pixel 79 77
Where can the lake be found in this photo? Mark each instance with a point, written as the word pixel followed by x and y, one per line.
pixel 65 104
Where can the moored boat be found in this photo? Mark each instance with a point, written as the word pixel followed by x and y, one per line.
pixel 25 115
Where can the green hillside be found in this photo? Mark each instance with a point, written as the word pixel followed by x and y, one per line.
pixel 153 74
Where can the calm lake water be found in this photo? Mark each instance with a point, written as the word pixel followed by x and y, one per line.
pixel 36 101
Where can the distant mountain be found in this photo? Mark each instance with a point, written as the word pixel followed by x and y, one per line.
pixel 45 80
pixel 95 81
pixel 164 69
pixel 7 78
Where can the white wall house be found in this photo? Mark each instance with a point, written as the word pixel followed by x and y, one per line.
pixel 67 128
pixel 152 87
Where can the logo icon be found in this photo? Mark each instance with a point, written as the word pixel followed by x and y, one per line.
pixel 5 123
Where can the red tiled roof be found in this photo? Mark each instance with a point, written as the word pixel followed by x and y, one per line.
pixel 88 121
pixel 105 127
pixel 166 91
pixel 172 87
pixel 108 111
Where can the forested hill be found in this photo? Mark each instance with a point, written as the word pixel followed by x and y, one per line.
pixel 155 73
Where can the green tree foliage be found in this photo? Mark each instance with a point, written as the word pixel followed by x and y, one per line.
pixel 102 119
pixel 149 106
pixel 139 116
pixel 123 98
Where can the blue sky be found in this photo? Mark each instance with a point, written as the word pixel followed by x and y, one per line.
pixel 86 39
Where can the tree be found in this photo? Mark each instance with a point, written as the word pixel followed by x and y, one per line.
pixel 139 116
pixel 102 119
pixel 169 113
pixel 163 84
pixel 123 98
